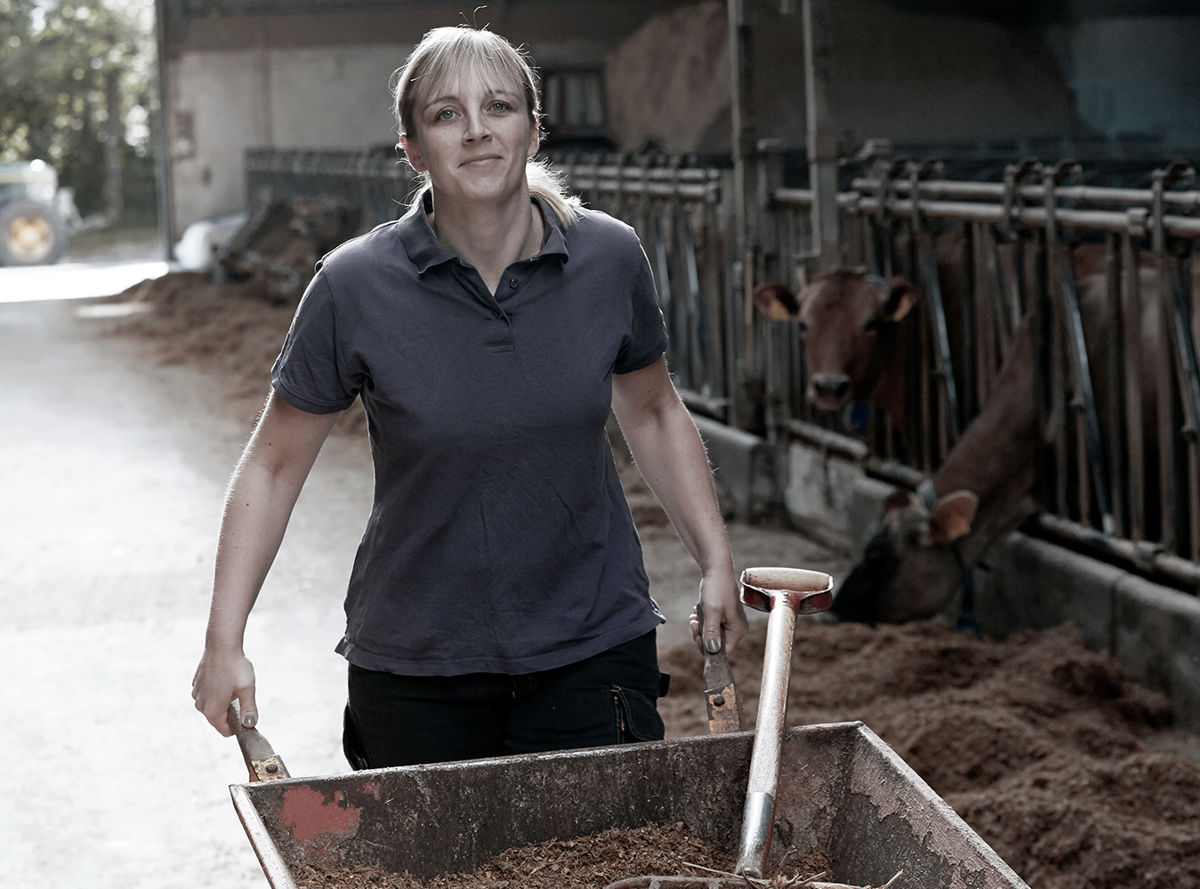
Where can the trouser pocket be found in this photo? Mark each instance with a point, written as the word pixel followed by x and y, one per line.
pixel 637 716
pixel 353 746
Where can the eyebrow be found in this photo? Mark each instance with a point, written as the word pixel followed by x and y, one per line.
pixel 496 93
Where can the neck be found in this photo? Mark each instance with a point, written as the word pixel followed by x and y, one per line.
pixel 996 456
pixel 490 237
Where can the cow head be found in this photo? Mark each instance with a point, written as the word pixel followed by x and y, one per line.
pixel 844 319
pixel 908 569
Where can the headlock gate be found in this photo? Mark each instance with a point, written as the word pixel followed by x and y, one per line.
pixel 1105 276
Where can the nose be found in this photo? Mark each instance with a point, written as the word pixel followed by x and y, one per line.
pixel 476 128
pixel 830 386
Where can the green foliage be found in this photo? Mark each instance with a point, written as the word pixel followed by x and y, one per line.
pixel 56 59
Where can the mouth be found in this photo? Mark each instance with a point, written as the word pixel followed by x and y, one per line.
pixel 827 403
pixel 479 161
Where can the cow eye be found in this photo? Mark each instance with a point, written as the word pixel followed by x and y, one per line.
pixel 803 327
pixel 873 324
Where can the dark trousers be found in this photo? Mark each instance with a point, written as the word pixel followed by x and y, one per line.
pixel 610 698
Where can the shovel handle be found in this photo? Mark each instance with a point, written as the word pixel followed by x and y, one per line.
pixel 263 763
pixel 784 592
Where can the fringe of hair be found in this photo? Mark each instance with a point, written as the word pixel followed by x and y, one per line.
pixel 442 50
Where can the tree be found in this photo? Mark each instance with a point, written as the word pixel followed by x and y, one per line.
pixel 77 89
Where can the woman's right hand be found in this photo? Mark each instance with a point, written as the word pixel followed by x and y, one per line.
pixel 221 678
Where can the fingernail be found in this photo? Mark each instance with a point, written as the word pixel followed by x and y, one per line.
pixel 248 721
pixel 712 646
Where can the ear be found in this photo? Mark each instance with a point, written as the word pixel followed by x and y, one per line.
pixel 535 141
pixel 901 297
pixel 413 154
pixel 776 302
pixel 952 516
pixel 801 274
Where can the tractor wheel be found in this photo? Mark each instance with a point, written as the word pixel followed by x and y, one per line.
pixel 31 234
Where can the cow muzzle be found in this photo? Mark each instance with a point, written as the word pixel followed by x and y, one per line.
pixel 829 391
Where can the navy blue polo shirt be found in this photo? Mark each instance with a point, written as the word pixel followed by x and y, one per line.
pixel 500 539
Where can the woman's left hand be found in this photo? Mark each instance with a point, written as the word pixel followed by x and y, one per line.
pixel 724 616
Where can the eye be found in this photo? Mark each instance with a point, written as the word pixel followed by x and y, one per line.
pixel 444 114
pixel 499 106
pixel 803 327
pixel 873 324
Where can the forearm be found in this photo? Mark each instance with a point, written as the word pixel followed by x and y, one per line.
pixel 258 507
pixel 670 456
pixel 668 451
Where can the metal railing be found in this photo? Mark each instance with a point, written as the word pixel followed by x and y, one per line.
pixel 377 183
pixel 679 213
pixel 1120 470
pixel 983 254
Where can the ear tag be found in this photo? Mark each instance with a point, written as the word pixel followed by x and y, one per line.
pixel 857 416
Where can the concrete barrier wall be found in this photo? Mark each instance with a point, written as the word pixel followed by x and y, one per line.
pixel 1152 630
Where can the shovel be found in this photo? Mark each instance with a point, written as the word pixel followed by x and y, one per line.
pixel 784 593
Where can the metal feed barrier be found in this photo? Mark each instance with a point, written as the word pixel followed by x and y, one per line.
pixel 1017 245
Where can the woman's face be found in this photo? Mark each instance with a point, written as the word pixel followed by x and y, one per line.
pixel 473 138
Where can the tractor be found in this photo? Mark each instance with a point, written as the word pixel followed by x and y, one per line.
pixel 34 216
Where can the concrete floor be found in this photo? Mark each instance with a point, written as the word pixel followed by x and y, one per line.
pixel 112 472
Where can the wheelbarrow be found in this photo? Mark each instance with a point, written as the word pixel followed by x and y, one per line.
pixel 839 790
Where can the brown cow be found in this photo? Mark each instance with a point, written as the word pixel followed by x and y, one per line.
pixel 853 349
pixel 918 550
pixel 909 569
pixel 854 345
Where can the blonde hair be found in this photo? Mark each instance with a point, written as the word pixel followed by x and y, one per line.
pixel 446 53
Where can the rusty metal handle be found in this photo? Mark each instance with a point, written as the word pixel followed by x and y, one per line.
pixel 720 692
pixel 263 763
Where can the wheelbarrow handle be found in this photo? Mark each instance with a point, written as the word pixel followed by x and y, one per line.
pixel 263 763
pixel 720 692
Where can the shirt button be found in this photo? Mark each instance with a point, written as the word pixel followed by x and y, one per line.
pixel 513 283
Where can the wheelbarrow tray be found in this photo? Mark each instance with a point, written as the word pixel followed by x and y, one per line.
pixel 842 790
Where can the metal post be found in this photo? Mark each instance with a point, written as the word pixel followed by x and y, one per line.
pixel 162 146
pixel 822 135
pixel 744 237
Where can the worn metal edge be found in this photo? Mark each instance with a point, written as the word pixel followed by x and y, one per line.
pixel 988 855
pixel 278 874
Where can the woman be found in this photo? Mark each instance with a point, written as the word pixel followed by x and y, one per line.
pixel 498 599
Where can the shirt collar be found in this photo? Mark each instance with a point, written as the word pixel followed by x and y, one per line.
pixel 426 251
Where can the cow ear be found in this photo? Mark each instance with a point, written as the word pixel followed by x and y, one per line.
pixel 776 302
pixel 902 296
pixel 952 516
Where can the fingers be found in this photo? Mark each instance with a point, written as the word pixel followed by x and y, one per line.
pixel 247 709
pixel 218 682
pixel 735 629
pixel 712 633
pixel 718 621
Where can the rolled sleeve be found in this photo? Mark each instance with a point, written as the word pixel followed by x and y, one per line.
pixel 311 372
pixel 647 337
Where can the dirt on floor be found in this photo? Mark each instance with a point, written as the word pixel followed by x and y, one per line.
pixel 1047 750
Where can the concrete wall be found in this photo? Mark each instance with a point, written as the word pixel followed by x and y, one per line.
pixel 1152 630
pixel 321 80
pixel 250 98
